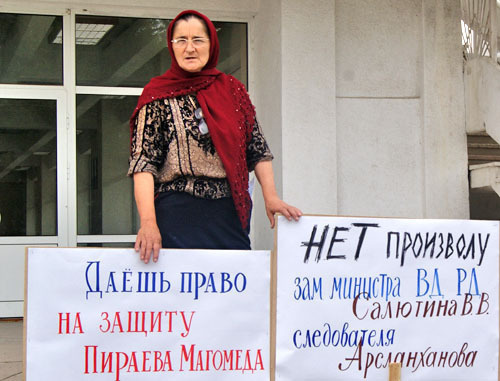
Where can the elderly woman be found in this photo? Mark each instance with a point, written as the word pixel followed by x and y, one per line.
pixel 194 140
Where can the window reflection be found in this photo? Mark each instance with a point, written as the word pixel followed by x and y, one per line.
pixel 126 52
pixel 130 51
pixel 105 193
pixel 233 49
pixel 28 158
pixel 28 52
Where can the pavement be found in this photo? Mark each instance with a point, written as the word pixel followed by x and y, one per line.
pixel 11 350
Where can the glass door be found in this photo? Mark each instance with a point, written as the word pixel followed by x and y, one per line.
pixel 32 183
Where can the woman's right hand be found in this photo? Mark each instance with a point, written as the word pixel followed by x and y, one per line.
pixel 148 242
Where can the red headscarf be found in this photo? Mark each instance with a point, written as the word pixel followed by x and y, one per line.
pixel 226 106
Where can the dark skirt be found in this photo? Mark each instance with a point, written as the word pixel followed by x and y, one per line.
pixel 188 222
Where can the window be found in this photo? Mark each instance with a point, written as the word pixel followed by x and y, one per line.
pixel 115 58
pixel 28 54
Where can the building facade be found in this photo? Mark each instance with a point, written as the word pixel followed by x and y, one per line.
pixel 362 103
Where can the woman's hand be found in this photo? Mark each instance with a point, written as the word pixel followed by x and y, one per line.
pixel 148 241
pixel 276 205
pixel 265 175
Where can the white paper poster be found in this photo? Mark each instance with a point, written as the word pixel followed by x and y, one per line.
pixel 355 294
pixel 101 314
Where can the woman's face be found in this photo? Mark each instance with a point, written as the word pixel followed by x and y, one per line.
pixel 191 56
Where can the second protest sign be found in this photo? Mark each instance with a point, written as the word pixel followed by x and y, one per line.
pixel 355 294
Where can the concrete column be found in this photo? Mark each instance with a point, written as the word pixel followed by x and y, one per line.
pixel 265 90
pixel 445 141
pixel 378 108
pixel 309 126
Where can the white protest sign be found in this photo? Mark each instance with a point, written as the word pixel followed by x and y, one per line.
pixel 101 314
pixel 355 294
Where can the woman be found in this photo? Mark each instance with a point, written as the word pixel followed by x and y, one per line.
pixel 194 139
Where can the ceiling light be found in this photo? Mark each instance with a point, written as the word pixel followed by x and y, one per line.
pixel 87 34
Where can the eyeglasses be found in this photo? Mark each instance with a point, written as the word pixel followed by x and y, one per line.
pixel 202 125
pixel 197 42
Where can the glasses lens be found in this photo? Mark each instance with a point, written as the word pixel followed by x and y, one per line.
pixel 199 42
pixel 203 127
pixel 198 113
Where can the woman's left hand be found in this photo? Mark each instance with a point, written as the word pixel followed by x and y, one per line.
pixel 276 205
